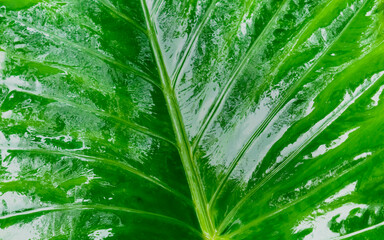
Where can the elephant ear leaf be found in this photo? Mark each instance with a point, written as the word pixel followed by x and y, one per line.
pixel 194 119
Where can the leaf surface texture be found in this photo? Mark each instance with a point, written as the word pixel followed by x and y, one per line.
pixel 193 119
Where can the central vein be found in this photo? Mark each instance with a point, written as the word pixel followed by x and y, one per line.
pixel 184 147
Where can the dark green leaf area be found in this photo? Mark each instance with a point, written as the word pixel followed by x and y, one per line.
pixel 195 119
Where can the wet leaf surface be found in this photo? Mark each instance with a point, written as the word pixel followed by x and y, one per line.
pixel 199 119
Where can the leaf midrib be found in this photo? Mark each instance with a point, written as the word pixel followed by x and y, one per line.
pixel 185 151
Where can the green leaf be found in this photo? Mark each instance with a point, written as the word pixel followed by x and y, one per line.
pixel 193 119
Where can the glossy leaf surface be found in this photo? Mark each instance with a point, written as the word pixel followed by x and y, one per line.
pixel 195 119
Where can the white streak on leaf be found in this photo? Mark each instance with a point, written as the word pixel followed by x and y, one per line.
pixel 363 155
pixel 334 144
pixel 376 97
pixel 101 234
pixel 347 190
pixel 319 221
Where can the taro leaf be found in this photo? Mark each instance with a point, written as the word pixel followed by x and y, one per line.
pixel 193 119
